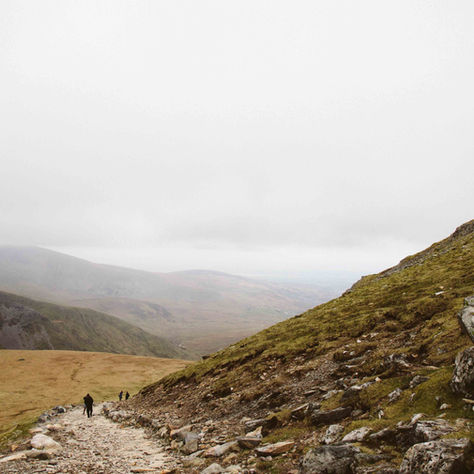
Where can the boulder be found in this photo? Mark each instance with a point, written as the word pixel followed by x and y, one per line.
pixel 337 459
pixel 275 449
pixel 429 430
pixel 213 469
pixel 319 417
pixel 41 441
pixel 446 456
pixel 248 442
pixel 332 434
pixel 220 449
pixel 466 317
pixel 191 442
pixel 357 435
pixel 462 381
pixel 351 397
pixel 387 435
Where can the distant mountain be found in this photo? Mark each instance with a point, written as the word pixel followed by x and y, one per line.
pixel 204 310
pixel 30 324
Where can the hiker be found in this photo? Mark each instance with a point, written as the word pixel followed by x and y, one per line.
pixel 120 395
pixel 88 402
pixel 127 396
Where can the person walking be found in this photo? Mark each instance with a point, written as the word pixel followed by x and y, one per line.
pixel 120 395
pixel 127 396
pixel 88 402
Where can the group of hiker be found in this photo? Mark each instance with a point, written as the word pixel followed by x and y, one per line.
pixel 127 395
pixel 89 403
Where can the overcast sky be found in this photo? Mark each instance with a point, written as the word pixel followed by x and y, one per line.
pixel 255 137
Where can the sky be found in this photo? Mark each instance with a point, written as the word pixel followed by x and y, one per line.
pixel 302 140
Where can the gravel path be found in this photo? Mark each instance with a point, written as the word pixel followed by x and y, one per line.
pixel 97 445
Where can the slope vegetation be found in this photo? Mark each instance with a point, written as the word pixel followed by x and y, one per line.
pixel 350 352
pixel 30 324
pixel 204 310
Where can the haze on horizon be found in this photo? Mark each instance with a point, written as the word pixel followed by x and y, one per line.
pixel 304 140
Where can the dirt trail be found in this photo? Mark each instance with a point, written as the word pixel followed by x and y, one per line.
pixel 97 445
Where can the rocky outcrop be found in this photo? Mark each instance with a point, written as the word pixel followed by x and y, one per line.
pixel 466 317
pixel 462 381
pixel 446 456
pixel 338 459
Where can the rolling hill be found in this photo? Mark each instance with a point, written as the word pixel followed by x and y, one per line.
pixel 30 324
pixel 365 363
pixel 203 310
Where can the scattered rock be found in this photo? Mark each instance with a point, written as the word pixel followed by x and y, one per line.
pixel 337 459
pixel 275 449
pixel 300 412
pixel 191 442
pixel 13 457
pixel 332 434
pixel 357 435
pixel 253 424
pixel 319 417
pixel 59 409
pixel 180 432
pixel 463 376
pixel 447 456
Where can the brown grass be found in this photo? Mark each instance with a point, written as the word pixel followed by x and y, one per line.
pixel 33 381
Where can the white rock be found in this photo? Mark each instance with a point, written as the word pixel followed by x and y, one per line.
pixel 41 441
pixel 357 435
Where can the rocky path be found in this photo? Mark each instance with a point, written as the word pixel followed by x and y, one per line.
pixel 95 445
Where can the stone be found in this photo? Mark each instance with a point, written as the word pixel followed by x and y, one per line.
pixel 466 317
pixel 213 469
pixel 417 380
pixel 41 441
pixel 255 433
pixel 462 381
pixel 275 449
pixel 234 469
pixel 351 397
pixel 395 395
pixel 445 406
pixel 332 434
pixel 387 435
pixel 13 457
pixel 319 417
pixel 191 442
pixel 179 432
pixel 59 409
pixel 253 424
pixel 220 449
pixel 55 427
pixel 337 459
pixel 429 430
pixel 248 442
pixel 446 456
pixel 300 412
pixel 357 435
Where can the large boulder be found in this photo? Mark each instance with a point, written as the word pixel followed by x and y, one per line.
pixel 444 456
pixel 41 441
pixel 336 459
pixel 462 381
pixel 466 317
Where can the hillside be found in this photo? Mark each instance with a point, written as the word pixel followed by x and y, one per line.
pixel 370 359
pixel 34 381
pixel 202 310
pixel 30 324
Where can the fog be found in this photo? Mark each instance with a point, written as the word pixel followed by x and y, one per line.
pixel 301 140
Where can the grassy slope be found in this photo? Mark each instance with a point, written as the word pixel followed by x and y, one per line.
pixel 399 311
pixel 33 381
pixel 82 329
pixel 400 303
